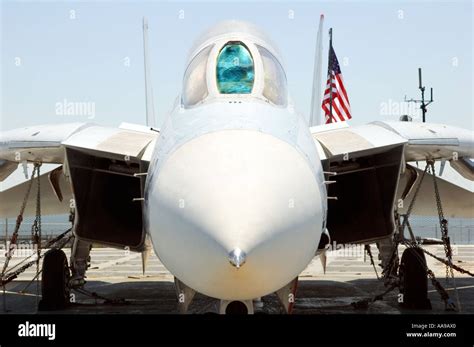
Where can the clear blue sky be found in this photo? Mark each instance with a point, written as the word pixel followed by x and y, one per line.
pixel 82 59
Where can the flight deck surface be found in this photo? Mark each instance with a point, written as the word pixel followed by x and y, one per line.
pixel 117 274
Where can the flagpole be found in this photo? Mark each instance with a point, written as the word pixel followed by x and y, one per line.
pixel 330 83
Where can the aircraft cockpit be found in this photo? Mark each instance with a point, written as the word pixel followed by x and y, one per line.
pixel 234 70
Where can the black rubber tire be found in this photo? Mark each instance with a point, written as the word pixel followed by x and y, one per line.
pixel 414 280
pixel 236 308
pixel 54 281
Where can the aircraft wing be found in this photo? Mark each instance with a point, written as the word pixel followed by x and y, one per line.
pixel 46 143
pixel 49 144
pixel 422 140
pixel 370 163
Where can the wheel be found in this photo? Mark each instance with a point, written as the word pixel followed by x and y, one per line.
pixel 414 280
pixel 236 307
pixel 54 281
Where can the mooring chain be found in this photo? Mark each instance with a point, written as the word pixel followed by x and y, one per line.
pixel 37 237
pixel 37 228
pixel 50 244
pixel 412 202
pixel 364 303
pixel 369 252
pixel 53 243
pixel 449 304
pixel 110 301
pixel 443 223
pixel 387 271
pixel 19 220
pixel 444 234
pixel 444 261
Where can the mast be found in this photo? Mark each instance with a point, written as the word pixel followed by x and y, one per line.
pixel 329 71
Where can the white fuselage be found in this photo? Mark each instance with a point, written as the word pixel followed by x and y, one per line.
pixel 227 176
pixel 235 200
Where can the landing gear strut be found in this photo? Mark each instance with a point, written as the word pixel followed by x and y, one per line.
pixel 54 281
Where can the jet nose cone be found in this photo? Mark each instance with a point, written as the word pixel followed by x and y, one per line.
pixel 237 257
pixel 235 214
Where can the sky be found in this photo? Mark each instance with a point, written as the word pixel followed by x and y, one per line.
pixel 54 52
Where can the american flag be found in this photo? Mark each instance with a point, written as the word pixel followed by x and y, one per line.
pixel 335 93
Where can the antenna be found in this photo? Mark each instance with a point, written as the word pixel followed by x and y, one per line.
pixel 423 103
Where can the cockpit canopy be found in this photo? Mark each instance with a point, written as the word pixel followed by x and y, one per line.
pixel 234 69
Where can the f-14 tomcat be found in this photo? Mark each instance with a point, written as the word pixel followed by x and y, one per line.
pixel 233 189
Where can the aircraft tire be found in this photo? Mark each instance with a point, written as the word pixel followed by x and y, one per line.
pixel 54 281
pixel 414 280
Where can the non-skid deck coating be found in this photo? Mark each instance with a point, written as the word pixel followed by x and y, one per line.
pixel 118 274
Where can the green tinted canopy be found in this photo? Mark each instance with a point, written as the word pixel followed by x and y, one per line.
pixel 235 69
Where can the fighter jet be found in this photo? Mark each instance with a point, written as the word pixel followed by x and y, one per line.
pixel 236 191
